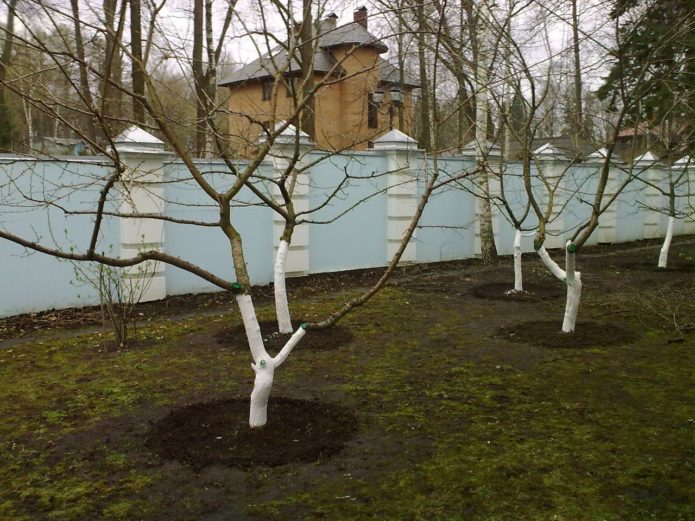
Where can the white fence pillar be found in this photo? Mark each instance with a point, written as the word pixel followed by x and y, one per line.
pixel 402 191
pixel 283 151
pixel 142 193
pixel 687 204
pixel 646 166
pixel 608 222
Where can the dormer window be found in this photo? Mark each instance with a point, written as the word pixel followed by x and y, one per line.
pixel 267 88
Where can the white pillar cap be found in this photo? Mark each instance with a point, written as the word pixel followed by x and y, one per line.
pixel 683 163
pixel 549 152
pixel 395 140
pixel 135 140
pixel 290 136
pixel 646 159
pixel 600 155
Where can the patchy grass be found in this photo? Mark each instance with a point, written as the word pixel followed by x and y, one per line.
pixel 455 423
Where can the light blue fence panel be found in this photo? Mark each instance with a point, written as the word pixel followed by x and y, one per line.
pixel 515 195
pixel 577 194
pixel 208 247
pixel 630 212
pixel 349 228
pixel 447 225
pixel 36 281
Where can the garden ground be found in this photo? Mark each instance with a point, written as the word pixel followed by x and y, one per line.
pixel 442 399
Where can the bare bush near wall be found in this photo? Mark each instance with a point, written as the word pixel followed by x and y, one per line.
pixel 119 290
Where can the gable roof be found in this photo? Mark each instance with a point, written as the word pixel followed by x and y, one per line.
pixel 352 33
pixel 267 65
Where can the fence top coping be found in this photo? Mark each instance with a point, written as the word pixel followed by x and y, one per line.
pixel 14 158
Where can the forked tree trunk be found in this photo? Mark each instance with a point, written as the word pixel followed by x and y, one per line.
pixel 282 309
pixel 263 364
pixel 663 254
pixel 573 280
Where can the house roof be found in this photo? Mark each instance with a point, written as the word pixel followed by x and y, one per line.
pixel 352 33
pixel 267 65
pixel 390 75
pixel 561 144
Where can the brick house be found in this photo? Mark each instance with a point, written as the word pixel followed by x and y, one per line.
pixel 361 94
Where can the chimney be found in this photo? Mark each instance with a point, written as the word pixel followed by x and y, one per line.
pixel 360 16
pixel 329 23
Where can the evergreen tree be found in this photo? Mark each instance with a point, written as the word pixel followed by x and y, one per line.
pixel 653 73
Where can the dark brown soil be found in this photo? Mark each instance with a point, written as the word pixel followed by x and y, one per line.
pixel 547 333
pixel 673 267
pixel 185 427
pixel 533 292
pixel 234 337
pixel 217 433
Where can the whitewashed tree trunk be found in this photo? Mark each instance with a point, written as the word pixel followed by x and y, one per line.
pixel 518 274
pixel 282 309
pixel 572 278
pixel 263 364
pixel 663 254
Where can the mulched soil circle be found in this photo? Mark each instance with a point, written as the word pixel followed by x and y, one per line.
pixel 533 292
pixel 218 433
pixel 548 333
pixel 234 337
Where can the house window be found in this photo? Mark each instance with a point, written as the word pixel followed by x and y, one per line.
pixel 372 112
pixel 267 89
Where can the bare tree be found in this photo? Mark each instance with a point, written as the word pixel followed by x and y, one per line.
pixel 116 183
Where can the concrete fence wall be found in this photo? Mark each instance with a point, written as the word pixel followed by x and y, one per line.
pixel 374 194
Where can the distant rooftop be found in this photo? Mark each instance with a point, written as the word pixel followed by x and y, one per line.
pixel 564 145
